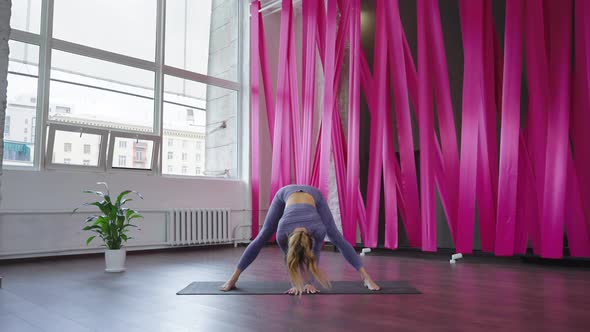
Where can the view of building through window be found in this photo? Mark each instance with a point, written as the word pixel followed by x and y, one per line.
pixel 87 92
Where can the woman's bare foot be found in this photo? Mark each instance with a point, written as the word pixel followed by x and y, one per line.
pixel 371 285
pixel 229 285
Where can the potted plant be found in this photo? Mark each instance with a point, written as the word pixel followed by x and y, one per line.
pixel 112 225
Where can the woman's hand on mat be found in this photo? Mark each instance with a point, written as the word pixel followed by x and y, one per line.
pixel 310 289
pixel 294 291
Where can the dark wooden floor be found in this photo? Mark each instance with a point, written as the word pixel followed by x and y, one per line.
pixel 473 295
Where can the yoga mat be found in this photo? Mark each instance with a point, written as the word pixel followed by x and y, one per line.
pixel 279 288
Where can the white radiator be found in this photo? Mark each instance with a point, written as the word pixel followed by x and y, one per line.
pixel 198 227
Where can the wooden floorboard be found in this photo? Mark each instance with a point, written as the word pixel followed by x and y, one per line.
pixel 472 295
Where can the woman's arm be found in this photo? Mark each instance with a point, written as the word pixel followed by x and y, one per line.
pixel 334 234
pixel 338 240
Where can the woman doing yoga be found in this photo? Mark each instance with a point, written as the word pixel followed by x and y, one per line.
pixel 301 218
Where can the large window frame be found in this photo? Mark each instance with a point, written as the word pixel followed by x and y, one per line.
pixel 45 130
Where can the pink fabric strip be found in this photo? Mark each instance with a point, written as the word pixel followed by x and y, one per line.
pixel 310 9
pixel 581 108
pixel 352 175
pixel 471 12
pixel 329 95
pixel 297 132
pixel 255 114
pixel 536 121
pixel 447 127
pixel 487 161
pixel 282 104
pixel 386 125
pixel 376 139
pixel 266 82
pixel 337 131
pixel 448 133
pixel 578 234
pixel 509 137
pixel 407 176
pixel 426 124
pixel 559 14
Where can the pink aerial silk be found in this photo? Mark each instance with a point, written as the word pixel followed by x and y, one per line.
pixel 354 120
pixel 407 172
pixel 529 187
pixel 255 115
pixel 509 137
pixel 472 18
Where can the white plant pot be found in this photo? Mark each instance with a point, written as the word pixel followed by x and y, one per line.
pixel 115 260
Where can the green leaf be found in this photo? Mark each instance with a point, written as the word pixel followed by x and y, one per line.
pixel 125 201
pixel 98 193
pixel 121 195
pixel 90 239
pixel 135 216
pixel 92 218
pixel 105 184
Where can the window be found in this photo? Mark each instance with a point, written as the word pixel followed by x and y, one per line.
pixel 170 169
pixel 143 155
pixel 133 22
pixel 101 93
pixel 190 115
pixel 74 142
pixel 198 171
pixel 184 169
pixel 33 128
pixel 198 157
pixel 22 77
pixel 202 38
pixel 103 78
pixel 7 126
pixel 215 111
pixel 170 155
pixel 63 109
pixel 26 15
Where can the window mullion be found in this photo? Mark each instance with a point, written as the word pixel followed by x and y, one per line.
pixel 159 83
pixel 43 83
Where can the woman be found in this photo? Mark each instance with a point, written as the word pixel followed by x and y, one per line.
pixel 302 219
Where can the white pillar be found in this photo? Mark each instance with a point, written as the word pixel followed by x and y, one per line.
pixel 5 6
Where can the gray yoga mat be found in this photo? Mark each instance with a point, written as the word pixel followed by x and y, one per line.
pixel 279 287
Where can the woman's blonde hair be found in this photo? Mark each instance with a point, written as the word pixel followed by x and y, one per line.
pixel 302 261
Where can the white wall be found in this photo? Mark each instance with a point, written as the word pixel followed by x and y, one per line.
pixel 35 206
